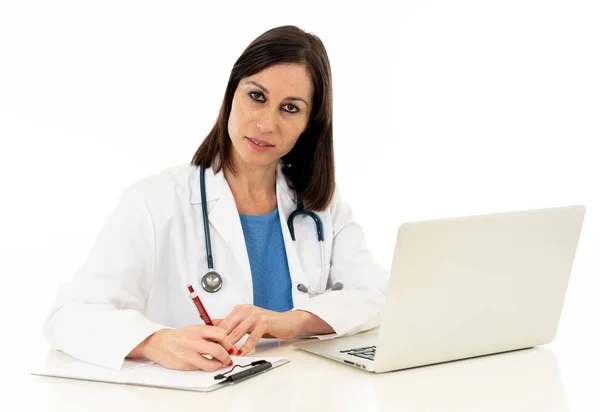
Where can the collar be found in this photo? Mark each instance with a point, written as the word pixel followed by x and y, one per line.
pixel 216 185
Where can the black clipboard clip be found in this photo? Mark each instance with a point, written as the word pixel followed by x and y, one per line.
pixel 255 368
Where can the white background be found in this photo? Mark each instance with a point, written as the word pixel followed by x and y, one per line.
pixel 459 108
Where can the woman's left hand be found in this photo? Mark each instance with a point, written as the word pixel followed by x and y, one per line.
pixel 258 323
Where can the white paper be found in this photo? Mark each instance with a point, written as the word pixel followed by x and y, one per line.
pixel 141 372
pixel 135 363
pixel 156 375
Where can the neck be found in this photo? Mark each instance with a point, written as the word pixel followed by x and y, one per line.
pixel 253 188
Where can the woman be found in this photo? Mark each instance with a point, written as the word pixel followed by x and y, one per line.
pixel 270 150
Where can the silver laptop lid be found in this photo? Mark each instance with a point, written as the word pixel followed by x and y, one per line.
pixel 476 285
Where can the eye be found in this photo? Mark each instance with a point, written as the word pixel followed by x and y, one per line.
pixel 290 108
pixel 256 96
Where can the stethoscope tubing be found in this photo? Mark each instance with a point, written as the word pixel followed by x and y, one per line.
pixel 290 222
pixel 209 257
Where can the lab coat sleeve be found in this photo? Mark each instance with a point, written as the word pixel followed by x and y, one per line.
pixel 357 307
pixel 97 316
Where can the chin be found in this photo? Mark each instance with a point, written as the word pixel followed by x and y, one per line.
pixel 255 158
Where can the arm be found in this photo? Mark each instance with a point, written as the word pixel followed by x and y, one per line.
pixel 311 324
pixel 97 316
pixel 351 310
pixel 358 305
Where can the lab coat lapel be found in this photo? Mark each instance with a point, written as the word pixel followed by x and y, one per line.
pixel 286 205
pixel 225 220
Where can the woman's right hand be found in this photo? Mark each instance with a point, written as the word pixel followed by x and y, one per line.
pixel 183 348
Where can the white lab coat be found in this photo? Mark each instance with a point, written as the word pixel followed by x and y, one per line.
pixel 152 245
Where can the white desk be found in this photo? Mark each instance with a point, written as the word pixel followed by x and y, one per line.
pixel 526 380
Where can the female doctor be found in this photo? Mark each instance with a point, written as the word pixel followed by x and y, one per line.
pixel 269 154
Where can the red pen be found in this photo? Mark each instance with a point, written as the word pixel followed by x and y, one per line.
pixel 199 306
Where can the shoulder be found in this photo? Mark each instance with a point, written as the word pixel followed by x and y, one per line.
pixel 171 180
pixel 339 209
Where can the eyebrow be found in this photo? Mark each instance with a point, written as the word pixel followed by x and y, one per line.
pixel 263 88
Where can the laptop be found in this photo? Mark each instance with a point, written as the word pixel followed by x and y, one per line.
pixel 468 286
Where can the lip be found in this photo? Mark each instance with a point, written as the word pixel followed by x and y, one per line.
pixel 261 141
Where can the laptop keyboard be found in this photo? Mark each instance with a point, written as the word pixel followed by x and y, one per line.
pixel 368 352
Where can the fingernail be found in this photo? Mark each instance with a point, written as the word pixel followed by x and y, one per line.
pixel 239 352
pixel 230 363
pixel 231 351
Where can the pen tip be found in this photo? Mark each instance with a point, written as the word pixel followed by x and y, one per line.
pixel 190 288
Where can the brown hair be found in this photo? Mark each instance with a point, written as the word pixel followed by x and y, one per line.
pixel 309 166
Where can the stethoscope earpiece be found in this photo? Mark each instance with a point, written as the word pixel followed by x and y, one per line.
pixel 337 286
pixel 304 289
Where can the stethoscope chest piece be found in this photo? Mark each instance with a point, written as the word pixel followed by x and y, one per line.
pixel 212 282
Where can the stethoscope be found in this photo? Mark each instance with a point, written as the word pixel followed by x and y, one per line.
pixel 213 282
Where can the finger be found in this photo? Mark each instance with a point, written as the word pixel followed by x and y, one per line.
pixel 213 349
pixel 230 322
pixel 176 360
pixel 181 363
pixel 217 322
pixel 218 335
pixel 236 316
pixel 200 362
pixel 246 325
pixel 259 330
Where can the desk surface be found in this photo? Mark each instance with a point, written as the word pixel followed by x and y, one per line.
pixel 527 380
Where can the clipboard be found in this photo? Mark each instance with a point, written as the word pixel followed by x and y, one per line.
pixel 147 373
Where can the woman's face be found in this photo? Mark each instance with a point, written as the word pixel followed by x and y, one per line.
pixel 270 110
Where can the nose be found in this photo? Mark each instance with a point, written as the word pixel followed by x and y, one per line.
pixel 266 121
